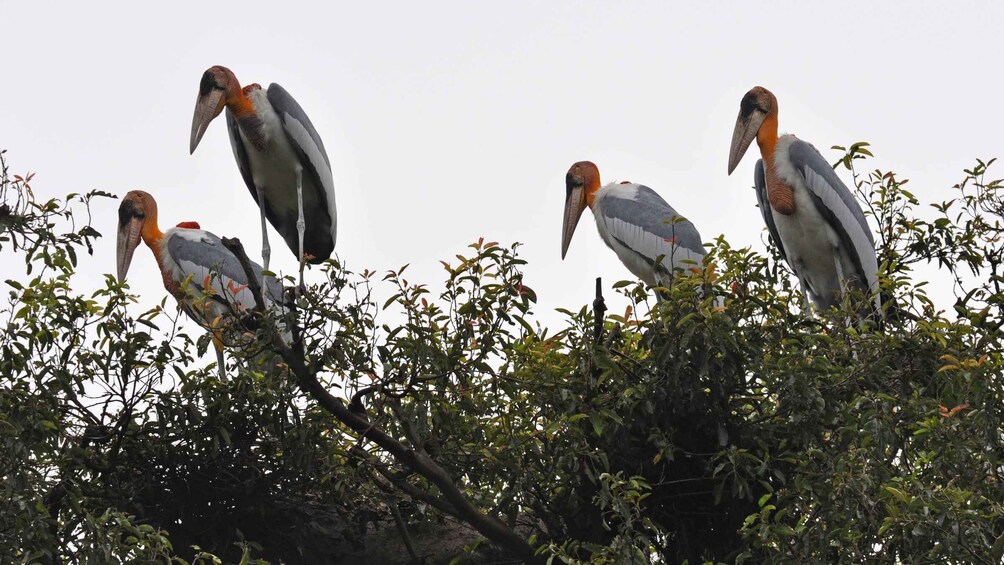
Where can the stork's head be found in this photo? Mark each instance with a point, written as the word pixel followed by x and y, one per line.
pixel 757 105
pixel 137 214
pixel 582 180
pixel 218 83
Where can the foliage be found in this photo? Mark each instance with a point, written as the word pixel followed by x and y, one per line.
pixel 735 430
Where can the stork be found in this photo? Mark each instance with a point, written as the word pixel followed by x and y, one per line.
pixel 203 276
pixel 812 217
pixel 646 233
pixel 281 158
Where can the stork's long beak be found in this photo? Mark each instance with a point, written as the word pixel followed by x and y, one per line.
pixel 746 130
pixel 130 229
pixel 207 107
pixel 575 203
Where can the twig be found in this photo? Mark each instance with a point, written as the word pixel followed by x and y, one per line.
pixel 356 404
pixel 409 429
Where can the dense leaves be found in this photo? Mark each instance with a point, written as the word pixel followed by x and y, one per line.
pixel 719 424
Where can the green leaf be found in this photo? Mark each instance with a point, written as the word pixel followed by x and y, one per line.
pixel 898 494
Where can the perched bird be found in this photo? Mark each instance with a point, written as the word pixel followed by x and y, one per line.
pixel 203 276
pixel 812 217
pixel 281 158
pixel 646 233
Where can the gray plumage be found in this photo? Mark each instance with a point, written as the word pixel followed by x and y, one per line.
pixel 850 247
pixel 643 229
pixel 760 183
pixel 839 207
pixel 199 254
pixel 287 107
pixel 280 206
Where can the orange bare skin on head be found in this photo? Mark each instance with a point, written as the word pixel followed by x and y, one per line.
pixel 152 236
pixel 234 96
pixel 236 100
pixel 590 174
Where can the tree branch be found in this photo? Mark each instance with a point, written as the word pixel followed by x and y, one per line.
pixel 489 526
pixel 409 489
pixel 403 529
pixel 234 246
pixel 599 311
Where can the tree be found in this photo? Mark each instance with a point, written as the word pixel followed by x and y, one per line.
pixel 737 433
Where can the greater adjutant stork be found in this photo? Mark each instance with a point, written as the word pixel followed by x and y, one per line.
pixel 646 233
pixel 281 158
pixel 812 217
pixel 204 276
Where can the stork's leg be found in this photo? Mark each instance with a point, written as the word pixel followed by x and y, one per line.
pixel 220 361
pixel 301 225
pixel 266 251
pixel 841 281
pixel 806 308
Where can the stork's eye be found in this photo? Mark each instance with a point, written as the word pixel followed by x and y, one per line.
pixel 749 104
pixel 209 82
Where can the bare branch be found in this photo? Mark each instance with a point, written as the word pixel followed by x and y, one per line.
pixel 234 245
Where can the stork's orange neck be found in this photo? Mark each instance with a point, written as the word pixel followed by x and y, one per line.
pixel 243 110
pixel 591 190
pixel 779 193
pixel 766 136
pixel 153 238
pixel 238 102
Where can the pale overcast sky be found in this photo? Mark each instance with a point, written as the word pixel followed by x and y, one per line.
pixel 449 121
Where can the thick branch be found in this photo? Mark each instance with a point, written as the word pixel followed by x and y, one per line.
pixel 403 528
pixel 489 526
pixel 413 491
pixel 234 246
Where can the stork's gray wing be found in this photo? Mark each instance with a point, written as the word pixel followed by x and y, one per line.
pixel 308 145
pixel 241 154
pixel 760 182
pixel 201 255
pixel 836 203
pixel 643 222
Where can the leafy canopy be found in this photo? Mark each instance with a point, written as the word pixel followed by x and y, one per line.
pixel 450 424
